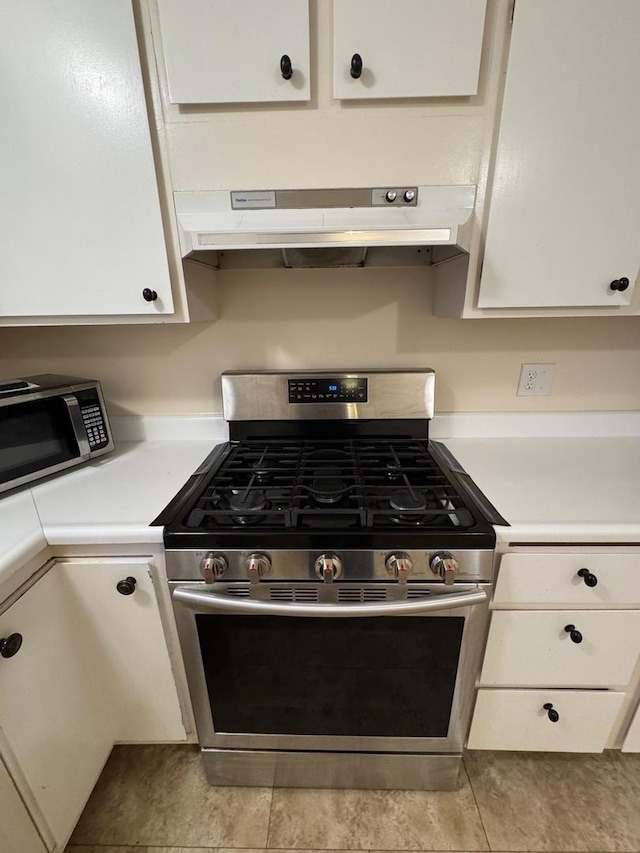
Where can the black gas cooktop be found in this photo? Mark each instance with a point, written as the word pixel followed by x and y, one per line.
pixel 293 492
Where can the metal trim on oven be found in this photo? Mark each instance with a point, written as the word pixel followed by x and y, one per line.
pixel 472 644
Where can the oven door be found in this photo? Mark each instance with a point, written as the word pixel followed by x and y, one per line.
pixel 394 676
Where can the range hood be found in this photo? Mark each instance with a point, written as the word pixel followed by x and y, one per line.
pixel 325 219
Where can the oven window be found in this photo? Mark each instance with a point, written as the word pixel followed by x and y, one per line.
pixel 377 677
pixel 34 436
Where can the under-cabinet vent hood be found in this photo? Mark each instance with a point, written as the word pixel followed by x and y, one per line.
pixel 342 218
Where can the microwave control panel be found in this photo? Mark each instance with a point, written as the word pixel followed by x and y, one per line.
pixel 93 419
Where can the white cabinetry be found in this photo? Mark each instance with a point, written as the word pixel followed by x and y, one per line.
pixel 632 738
pixel 134 661
pixel 564 213
pixel 233 51
pixel 84 239
pixel 585 679
pixel 408 48
pixel 55 718
pixel 93 669
pixel 17 831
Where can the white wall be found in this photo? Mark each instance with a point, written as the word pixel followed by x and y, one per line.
pixel 344 318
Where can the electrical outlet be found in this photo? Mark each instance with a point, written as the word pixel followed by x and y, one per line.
pixel 535 380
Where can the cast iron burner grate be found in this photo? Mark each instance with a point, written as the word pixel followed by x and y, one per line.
pixel 348 484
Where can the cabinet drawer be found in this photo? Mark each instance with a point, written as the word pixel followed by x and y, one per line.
pixel 533 648
pixel 553 579
pixel 516 719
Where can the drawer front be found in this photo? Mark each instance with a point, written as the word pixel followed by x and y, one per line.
pixel 551 579
pixel 517 719
pixel 533 648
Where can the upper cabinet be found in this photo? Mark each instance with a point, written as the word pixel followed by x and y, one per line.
pixel 83 235
pixel 407 48
pixel 235 51
pixel 564 220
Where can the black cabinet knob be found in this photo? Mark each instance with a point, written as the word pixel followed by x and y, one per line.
pixel 589 579
pixel 126 586
pixel 576 636
pixel 10 646
pixel 149 295
pixel 286 68
pixel 620 283
pixel 356 66
pixel 553 715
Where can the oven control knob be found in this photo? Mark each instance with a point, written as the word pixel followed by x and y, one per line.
pixel 257 566
pixel 444 564
pixel 328 567
pixel 399 565
pixel 212 567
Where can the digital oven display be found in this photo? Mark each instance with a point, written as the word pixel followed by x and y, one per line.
pixel 333 390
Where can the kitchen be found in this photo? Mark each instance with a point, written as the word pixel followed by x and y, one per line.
pixel 315 319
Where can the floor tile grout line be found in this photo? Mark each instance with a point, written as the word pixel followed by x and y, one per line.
pixel 475 800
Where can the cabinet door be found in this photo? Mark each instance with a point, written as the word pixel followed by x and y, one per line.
pixel 518 720
pixel 82 233
pixel 533 649
pixel 54 715
pixel 409 48
pixel 230 51
pixel 17 832
pixel 134 660
pixel 564 215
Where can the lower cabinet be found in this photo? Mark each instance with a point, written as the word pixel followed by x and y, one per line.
pixel 525 720
pixel 562 658
pixel 58 722
pixel 134 662
pixel 84 665
pixel 632 738
pixel 18 833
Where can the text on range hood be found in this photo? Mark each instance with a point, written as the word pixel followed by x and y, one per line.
pixel 328 218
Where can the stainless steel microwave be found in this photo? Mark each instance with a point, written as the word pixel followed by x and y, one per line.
pixel 49 423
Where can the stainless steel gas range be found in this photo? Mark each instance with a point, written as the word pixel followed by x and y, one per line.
pixel 330 569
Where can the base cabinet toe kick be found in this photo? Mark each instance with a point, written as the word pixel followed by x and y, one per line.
pixel 561 670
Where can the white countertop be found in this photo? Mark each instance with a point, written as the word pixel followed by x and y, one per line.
pixel 558 489
pixel 570 489
pixel 114 499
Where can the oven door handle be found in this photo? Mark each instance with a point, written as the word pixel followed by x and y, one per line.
pixel 210 602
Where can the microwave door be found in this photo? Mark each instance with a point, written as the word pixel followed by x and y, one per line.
pixel 40 437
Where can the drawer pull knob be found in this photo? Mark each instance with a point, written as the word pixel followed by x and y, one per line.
pixel 589 578
pixel 576 636
pixel 10 646
pixel 126 586
pixel 286 68
pixel 553 715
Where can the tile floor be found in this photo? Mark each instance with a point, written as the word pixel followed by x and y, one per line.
pixel 154 799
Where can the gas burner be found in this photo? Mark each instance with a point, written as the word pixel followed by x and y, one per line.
pixel 252 500
pixel 262 475
pixel 328 487
pixel 417 509
pixel 327 453
pixel 407 501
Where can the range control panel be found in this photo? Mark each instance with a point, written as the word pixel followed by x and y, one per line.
pixel 309 390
